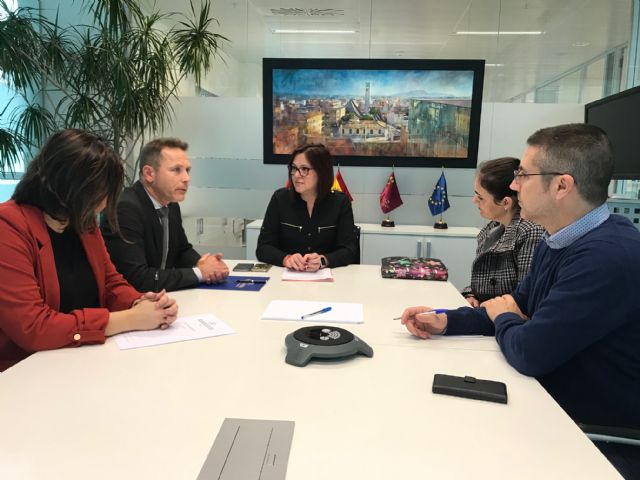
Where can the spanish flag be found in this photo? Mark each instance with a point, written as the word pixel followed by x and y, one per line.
pixel 340 186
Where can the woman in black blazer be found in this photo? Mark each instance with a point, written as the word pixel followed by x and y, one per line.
pixel 307 226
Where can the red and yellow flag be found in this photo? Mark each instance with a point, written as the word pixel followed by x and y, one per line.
pixel 340 186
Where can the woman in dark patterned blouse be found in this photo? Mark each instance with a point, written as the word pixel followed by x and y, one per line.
pixel 506 243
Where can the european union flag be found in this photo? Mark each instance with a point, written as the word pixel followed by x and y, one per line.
pixel 438 201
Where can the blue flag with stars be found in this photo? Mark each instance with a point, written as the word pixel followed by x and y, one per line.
pixel 438 201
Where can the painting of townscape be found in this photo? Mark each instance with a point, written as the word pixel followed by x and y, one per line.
pixel 373 113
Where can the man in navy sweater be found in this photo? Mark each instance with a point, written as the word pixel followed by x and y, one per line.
pixel 574 321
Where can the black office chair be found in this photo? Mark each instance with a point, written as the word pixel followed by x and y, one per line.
pixel 620 445
pixel 599 433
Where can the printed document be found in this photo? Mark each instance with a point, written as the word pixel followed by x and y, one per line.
pixel 184 328
pixel 297 309
pixel 322 275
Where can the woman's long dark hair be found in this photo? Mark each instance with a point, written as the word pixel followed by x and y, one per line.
pixel 69 178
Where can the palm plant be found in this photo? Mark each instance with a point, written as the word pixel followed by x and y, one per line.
pixel 115 77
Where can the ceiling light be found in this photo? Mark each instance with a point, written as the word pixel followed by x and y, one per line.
pixel 494 64
pixel 505 32
pixel 580 44
pixel 335 32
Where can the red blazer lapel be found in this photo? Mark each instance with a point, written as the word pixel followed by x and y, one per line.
pixel 45 267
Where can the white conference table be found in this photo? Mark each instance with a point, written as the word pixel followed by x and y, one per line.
pixel 153 413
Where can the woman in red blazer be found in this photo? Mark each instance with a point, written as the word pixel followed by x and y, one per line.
pixel 58 287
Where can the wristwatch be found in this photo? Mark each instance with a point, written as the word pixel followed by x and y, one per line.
pixel 323 261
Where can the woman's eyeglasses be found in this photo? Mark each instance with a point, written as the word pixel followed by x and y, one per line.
pixel 303 171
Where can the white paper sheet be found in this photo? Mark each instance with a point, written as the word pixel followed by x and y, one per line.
pixel 322 275
pixel 295 309
pixel 184 328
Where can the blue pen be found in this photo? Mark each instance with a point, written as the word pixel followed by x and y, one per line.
pixel 324 310
pixel 434 311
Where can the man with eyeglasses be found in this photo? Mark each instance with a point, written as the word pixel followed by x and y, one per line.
pixel 574 321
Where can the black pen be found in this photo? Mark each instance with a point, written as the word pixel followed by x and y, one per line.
pixel 251 281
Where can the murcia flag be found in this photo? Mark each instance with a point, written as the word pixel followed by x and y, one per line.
pixel 390 195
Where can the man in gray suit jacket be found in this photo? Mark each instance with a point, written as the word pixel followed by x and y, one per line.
pixel 147 213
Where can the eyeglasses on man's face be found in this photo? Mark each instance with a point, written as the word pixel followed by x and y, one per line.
pixel 518 175
pixel 303 171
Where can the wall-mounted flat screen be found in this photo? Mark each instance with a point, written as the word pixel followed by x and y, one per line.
pixel 413 113
pixel 619 116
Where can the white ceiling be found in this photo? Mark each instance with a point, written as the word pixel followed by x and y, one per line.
pixel 424 29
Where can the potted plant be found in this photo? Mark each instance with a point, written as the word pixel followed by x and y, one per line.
pixel 115 76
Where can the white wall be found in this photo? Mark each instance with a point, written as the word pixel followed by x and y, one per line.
pixel 225 137
pixel 229 178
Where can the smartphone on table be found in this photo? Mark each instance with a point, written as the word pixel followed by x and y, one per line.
pixel 243 267
pixel 261 267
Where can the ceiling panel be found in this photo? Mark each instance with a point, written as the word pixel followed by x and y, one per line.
pixel 575 32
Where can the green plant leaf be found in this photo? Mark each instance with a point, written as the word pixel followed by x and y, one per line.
pixel 11 149
pixel 115 76
pixel 195 43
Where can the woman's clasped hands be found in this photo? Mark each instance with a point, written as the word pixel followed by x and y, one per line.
pixel 154 310
pixel 303 263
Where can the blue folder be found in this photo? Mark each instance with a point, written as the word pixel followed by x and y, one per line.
pixel 237 283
